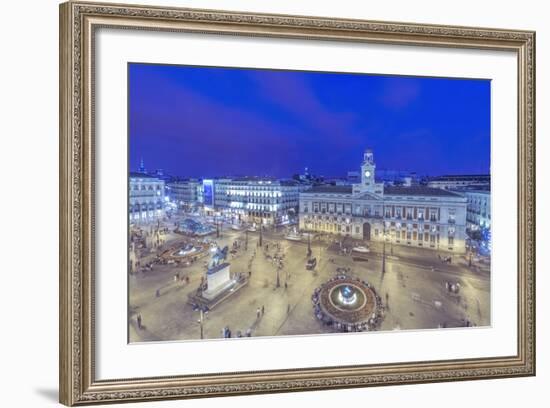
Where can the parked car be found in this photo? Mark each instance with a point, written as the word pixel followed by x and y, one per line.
pixel 311 263
pixel 361 249
pixel 293 237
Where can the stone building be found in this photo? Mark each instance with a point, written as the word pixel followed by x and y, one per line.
pixel 253 199
pixel 184 193
pixel 417 216
pixel 145 197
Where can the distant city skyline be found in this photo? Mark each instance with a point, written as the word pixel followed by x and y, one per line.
pixel 153 171
pixel 202 122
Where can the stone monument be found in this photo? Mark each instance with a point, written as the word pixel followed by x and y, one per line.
pixel 218 279
pixel 219 283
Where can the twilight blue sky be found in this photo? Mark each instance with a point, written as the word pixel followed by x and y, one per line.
pixel 207 122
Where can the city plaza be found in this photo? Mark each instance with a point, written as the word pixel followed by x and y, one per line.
pixel 384 258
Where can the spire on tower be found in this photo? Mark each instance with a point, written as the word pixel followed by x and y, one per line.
pixel 368 157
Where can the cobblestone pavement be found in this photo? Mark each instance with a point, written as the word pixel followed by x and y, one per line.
pixel 413 289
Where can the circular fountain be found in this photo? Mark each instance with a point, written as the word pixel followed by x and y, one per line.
pixel 187 250
pixel 186 253
pixel 347 297
pixel 347 304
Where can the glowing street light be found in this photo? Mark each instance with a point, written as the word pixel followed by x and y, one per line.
pixel 203 310
pixel 385 237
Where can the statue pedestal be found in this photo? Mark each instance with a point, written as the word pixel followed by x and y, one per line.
pixel 220 286
pixel 218 279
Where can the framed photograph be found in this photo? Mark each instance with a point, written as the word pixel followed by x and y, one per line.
pixel 256 203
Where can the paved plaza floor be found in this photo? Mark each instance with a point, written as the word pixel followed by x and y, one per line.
pixel 413 289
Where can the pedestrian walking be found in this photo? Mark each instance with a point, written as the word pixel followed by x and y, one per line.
pixel 157 294
pixel 258 311
pixel 139 321
pixel 288 309
pixel 286 285
pixel 263 310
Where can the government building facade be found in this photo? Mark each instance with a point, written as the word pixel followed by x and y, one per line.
pixel 253 200
pixel 146 198
pixel 417 216
pixel 184 193
pixel 479 208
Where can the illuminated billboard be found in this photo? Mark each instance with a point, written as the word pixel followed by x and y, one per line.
pixel 208 192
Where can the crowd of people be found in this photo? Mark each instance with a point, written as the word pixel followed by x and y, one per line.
pixel 227 333
pixel 452 287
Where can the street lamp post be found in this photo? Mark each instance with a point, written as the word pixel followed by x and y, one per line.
pixel 261 233
pixel 202 310
pixel 201 323
pixel 308 227
pixel 246 241
pixel 384 251
pixel 384 257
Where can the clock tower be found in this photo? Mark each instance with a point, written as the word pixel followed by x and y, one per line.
pixel 367 171
pixel 368 183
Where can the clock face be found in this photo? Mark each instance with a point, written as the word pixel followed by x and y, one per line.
pixel 367 173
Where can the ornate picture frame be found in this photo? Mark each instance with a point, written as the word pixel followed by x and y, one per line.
pixel 78 24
